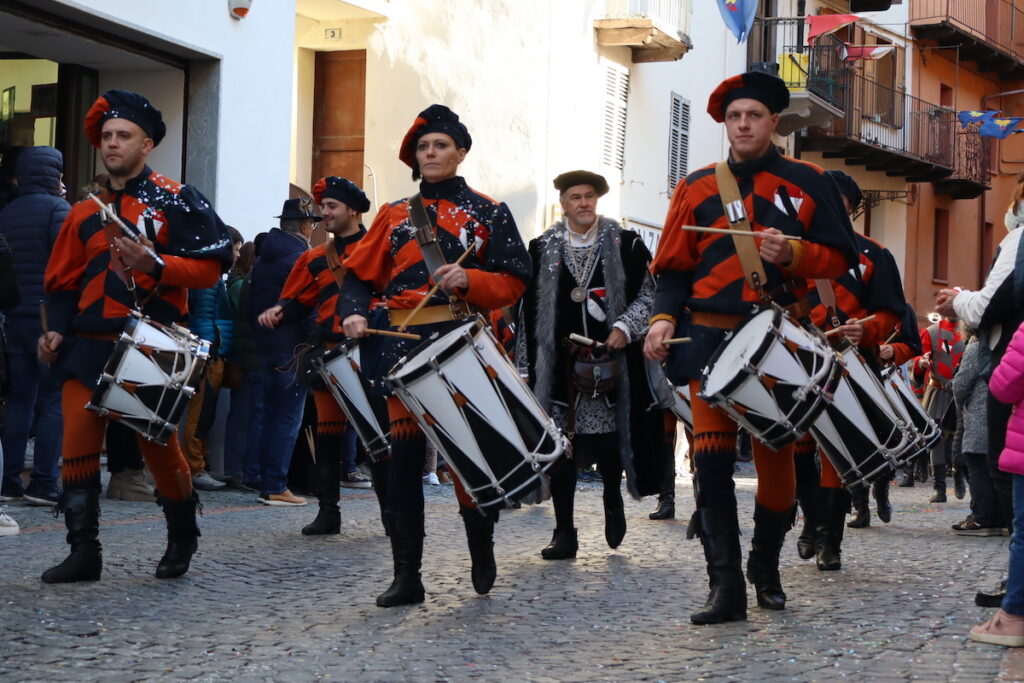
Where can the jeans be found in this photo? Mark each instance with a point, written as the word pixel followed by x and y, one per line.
pixel 239 460
pixel 348 453
pixel 34 402
pixel 278 413
pixel 1013 603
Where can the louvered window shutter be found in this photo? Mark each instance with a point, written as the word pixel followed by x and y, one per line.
pixel 613 148
pixel 678 141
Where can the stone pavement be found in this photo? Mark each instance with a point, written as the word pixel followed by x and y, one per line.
pixel 263 603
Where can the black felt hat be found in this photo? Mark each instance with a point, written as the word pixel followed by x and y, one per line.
pixel 293 209
pixel 436 118
pixel 573 178
pixel 342 189
pixel 847 187
pixel 123 104
pixel 771 91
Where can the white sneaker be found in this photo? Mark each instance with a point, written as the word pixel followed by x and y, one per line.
pixel 8 527
pixel 431 478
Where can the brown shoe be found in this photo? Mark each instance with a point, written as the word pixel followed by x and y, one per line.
pixel 130 485
pixel 284 499
pixel 1002 629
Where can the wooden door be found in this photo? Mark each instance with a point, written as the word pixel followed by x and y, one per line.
pixel 339 114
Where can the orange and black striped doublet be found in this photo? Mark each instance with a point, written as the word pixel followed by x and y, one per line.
pixel 702 272
pixel 312 286
pixel 873 288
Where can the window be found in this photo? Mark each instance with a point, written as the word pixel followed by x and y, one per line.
pixel 613 129
pixel 940 257
pixel 678 141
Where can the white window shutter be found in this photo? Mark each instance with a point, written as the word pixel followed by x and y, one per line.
pixel 613 129
pixel 678 141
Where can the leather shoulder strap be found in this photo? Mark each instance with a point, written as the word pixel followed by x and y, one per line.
pixel 334 262
pixel 736 214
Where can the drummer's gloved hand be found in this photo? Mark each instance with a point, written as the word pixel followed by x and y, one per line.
pixel 354 326
pixel 47 346
pixel 135 255
pixel 774 247
pixel 660 330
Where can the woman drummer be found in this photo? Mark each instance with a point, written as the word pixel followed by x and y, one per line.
pixel 390 261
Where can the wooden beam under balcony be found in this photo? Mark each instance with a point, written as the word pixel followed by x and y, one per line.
pixel 647 41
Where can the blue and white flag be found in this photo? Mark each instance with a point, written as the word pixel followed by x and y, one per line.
pixel 738 16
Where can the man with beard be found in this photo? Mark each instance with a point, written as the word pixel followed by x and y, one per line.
pixel 89 296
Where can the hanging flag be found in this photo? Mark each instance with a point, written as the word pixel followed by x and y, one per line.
pixel 868 52
pixel 738 16
pixel 968 117
pixel 1001 128
pixel 820 24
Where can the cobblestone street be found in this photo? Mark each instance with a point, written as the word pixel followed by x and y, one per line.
pixel 263 602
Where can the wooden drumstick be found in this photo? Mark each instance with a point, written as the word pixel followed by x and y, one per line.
pixel 437 286
pixel 851 322
pixel 741 233
pixel 389 333
pixel 677 340
pixel 43 319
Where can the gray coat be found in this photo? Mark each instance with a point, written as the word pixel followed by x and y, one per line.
pixel 970 391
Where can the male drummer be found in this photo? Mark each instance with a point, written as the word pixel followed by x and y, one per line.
pixel 864 307
pixel 313 284
pixel 704 273
pixel 390 261
pixel 89 282
pixel 591 279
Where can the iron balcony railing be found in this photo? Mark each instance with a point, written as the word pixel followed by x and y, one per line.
pixel 973 157
pixel 779 45
pixel 671 16
pixel 997 22
pixel 894 121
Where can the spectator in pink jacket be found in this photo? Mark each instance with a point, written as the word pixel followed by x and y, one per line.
pixel 1007 385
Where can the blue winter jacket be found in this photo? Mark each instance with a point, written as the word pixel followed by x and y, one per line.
pixel 31 221
pixel 277 253
pixel 211 317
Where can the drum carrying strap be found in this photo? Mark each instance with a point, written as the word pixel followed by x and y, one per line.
pixel 827 295
pixel 334 262
pixel 736 214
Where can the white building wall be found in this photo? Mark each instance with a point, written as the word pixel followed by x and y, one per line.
pixel 255 57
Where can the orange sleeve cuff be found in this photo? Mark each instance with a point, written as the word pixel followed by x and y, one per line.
pixel 664 316
pixel 812 260
pixel 190 272
pixel 491 291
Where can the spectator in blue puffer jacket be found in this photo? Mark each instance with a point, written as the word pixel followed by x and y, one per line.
pixel 210 317
pixel 30 223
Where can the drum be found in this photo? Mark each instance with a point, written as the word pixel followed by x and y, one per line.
pixel 772 376
pixel 473 405
pixel 340 369
pixel 900 395
pixel 150 377
pixel 681 406
pixel 861 432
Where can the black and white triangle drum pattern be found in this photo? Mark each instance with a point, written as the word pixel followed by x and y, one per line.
pixel 340 369
pixel 925 428
pixel 150 377
pixel 772 376
pixel 861 432
pixel 473 405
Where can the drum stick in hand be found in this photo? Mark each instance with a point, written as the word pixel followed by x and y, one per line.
pixel 437 285
pixel 851 322
pixel 677 340
pixel 389 333
pixel 43 318
pixel 741 233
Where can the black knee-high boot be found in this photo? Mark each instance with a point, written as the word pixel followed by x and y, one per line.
pixel 939 472
pixel 834 505
pixel 182 535
pixel 82 517
pixel 859 499
pixel 770 529
pixel 480 539
pixel 407 552
pixel 327 471
pixel 564 543
pixel 379 474
pixel 719 533
pixel 807 478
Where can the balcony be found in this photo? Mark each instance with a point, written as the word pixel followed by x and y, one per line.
pixel 989 32
pixel 887 130
pixel 816 75
pixel 655 30
pixel 972 175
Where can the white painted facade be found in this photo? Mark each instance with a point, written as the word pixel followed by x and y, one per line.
pixel 528 79
pixel 239 90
